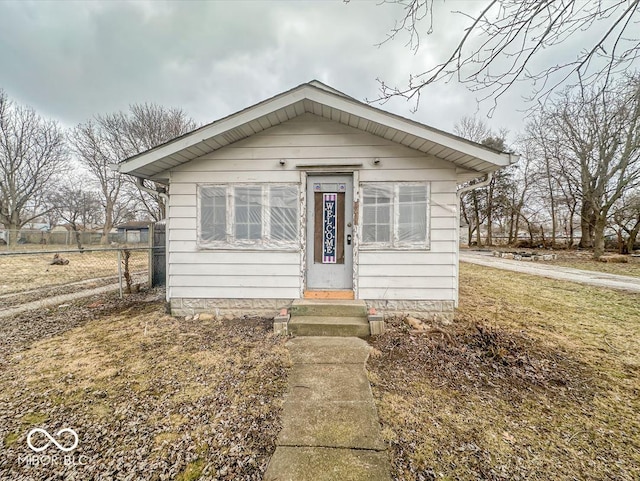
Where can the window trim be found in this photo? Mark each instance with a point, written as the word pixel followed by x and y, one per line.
pixel 231 243
pixel 395 243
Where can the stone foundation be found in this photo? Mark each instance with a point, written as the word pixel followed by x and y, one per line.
pixel 442 311
pixel 229 307
pixel 236 308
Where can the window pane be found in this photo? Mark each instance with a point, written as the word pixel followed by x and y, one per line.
pixel 368 233
pixel 412 213
pixel 213 214
pixel 248 212
pixel 376 213
pixel 242 214
pixel 283 204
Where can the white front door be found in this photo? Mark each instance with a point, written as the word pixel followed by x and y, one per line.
pixel 329 232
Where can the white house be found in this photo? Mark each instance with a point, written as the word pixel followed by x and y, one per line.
pixel 313 194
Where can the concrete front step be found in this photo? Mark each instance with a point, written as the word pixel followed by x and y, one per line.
pixel 328 308
pixel 329 326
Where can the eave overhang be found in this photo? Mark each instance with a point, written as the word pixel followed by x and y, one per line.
pixel 318 99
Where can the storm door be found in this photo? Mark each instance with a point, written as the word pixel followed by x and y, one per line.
pixel 329 232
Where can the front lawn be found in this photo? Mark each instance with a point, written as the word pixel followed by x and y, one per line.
pixel 150 396
pixel 535 380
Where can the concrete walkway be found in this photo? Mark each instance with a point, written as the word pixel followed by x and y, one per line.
pixel 592 278
pixel 330 427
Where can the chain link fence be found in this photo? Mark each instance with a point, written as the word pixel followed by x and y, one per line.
pixel 44 239
pixel 28 276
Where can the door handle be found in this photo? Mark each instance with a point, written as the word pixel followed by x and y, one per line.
pixel 348 239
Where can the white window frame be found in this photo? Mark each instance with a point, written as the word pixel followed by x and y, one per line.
pixel 395 243
pixel 265 242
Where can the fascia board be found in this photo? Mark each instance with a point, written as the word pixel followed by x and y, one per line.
pixel 315 94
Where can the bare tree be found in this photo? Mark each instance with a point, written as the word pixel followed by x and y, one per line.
pixel 490 203
pixel 506 41
pixel 77 206
pixel 520 196
pixel 498 188
pixel 144 127
pixel 554 187
pixel 96 153
pixel 109 139
pixel 473 202
pixel 599 129
pixel 626 221
pixel 33 155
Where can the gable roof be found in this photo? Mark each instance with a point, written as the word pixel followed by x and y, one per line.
pixel 319 99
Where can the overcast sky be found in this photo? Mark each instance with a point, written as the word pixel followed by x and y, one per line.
pixel 71 60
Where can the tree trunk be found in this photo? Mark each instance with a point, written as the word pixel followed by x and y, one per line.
pixel 516 229
pixel 78 237
pixel 586 241
pixel 633 235
pixel 622 245
pixel 489 241
pixel 476 213
pixel 530 229
pixel 571 240
pixel 14 231
pixel 511 223
pixel 108 222
pixel 552 200
pixel 572 212
pixel 598 237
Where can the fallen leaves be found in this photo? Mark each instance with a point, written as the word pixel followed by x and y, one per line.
pixel 152 397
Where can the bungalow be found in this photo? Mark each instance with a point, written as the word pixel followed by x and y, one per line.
pixel 313 194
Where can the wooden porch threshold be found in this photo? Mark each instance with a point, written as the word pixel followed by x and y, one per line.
pixel 342 294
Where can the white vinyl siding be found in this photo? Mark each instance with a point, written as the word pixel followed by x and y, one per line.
pixel 395 215
pixel 195 272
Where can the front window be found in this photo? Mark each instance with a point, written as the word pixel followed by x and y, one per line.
pixel 395 215
pixel 246 215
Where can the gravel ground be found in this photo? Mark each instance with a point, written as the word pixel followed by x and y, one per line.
pixel 151 397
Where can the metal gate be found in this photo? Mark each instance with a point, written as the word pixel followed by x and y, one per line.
pixel 158 260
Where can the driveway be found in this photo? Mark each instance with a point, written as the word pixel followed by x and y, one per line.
pixel 598 279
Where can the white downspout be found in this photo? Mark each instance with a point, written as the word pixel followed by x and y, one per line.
pixel 459 192
pixel 154 193
pixel 484 183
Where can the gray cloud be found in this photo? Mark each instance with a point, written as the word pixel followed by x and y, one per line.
pixel 73 60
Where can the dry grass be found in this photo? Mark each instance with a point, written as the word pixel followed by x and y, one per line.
pixel 32 271
pixel 585 262
pixel 537 379
pixel 151 396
